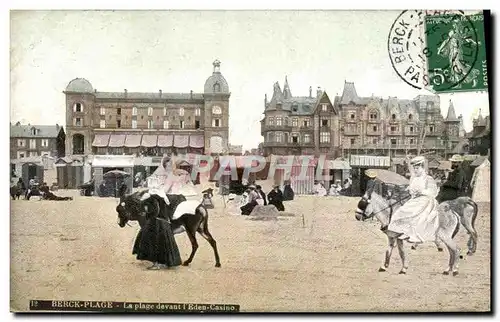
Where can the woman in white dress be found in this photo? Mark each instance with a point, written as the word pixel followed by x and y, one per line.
pixel 418 218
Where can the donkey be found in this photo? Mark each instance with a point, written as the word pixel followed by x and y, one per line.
pixel 449 224
pixel 133 207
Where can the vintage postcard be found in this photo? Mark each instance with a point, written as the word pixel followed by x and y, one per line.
pixel 250 161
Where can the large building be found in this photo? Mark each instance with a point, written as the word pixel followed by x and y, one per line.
pixel 36 140
pixel 147 123
pixel 480 136
pixel 350 124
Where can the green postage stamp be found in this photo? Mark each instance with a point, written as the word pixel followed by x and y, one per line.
pixel 456 53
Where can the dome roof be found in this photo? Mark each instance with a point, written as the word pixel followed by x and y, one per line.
pixel 216 83
pixel 80 85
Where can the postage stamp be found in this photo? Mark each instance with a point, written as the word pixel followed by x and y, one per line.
pixel 439 50
pixel 456 52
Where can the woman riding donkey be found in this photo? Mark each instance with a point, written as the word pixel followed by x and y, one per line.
pixel 418 219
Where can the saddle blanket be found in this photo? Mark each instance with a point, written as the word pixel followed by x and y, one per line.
pixel 187 207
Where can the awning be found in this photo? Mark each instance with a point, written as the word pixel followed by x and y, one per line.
pixel 165 141
pixel 339 165
pixel 116 140
pixel 196 141
pixel 149 141
pixel 101 140
pixel 370 161
pixel 113 161
pixel 133 140
pixel 181 141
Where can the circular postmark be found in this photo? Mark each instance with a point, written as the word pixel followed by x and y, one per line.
pixel 436 49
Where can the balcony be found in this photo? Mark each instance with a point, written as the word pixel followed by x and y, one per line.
pixel 283 128
pixel 394 133
pixel 412 133
pixel 370 131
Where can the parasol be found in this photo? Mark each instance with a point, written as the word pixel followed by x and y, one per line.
pixel 115 173
pixel 390 177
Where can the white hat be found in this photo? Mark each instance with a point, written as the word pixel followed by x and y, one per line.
pixel 417 160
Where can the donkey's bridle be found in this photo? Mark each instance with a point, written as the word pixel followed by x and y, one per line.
pixel 390 206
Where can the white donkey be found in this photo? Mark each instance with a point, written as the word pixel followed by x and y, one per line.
pixel 449 224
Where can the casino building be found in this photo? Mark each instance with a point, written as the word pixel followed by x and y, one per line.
pixel 151 124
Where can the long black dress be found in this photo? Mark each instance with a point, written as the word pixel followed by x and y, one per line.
pixel 155 242
pixel 276 198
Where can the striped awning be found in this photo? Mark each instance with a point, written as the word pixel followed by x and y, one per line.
pixel 101 140
pixel 116 140
pixel 133 140
pixel 149 141
pixel 181 141
pixel 196 141
pixel 165 141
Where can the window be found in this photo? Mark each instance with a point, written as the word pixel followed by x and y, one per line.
pixel 150 111
pixel 270 121
pixel 373 115
pixel 324 122
pixel 164 111
pixel 394 141
pixel 374 141
pixel 181 111
pixel 279 137
pixel 165 124
pixel 216 110
pixel 374 128
pixel 102 124
pixel 279 121
pixel 196 124
pixel 181 124
pixel 411 129
pixel 393 129
pixel 118 111
pixel 353 141
pixel 21 142
pixel 21 154
pixel 306 123
pixel 295 122
pixel 324 137
pixel 295 138
pixel 412 141
pixel 216 87
pixel 294 108
pixel 102 111
pixel 197 112
pixel 324 107
pixel 118 124
pixel 216 123
pixel 393 116
pixel 134 124
pixel 307 138
pixel 78 121
pixel 431 129
pixel 410 117
pixel 78 107
pixel 287 121
pixel 33 153
pixel 33 144
pixel 353 116
pixel 134 111
pixel 150 124
pixel 45 143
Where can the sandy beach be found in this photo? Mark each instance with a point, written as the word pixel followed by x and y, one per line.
pixel 321 259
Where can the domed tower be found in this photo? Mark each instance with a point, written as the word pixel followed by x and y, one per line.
pixel 216 95
pixel 79 112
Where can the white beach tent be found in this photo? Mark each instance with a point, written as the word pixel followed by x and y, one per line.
pixel 481 182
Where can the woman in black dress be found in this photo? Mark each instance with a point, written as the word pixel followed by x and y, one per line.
pixel 275 198
pixel 155 241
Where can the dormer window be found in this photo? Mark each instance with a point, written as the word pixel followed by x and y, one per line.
pixel 216 88
pixel 373 115
pixel 393 116
pixel 295 108
pixel 324 107
pixel 410 117
pixel 33 131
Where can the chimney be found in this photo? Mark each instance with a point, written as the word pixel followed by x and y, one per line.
pixel 125 92
pixel 265 99
pixel 310 91
pixel 57 126
pixel 318 91
pixel 95 90
pixel 191 94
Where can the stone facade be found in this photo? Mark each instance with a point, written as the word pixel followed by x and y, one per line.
pixel 358 125
pixel 203 116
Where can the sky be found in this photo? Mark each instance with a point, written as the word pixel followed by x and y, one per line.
pixel 144 51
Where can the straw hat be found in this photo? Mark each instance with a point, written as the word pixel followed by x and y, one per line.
pixel 417 160
pixel 371 173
